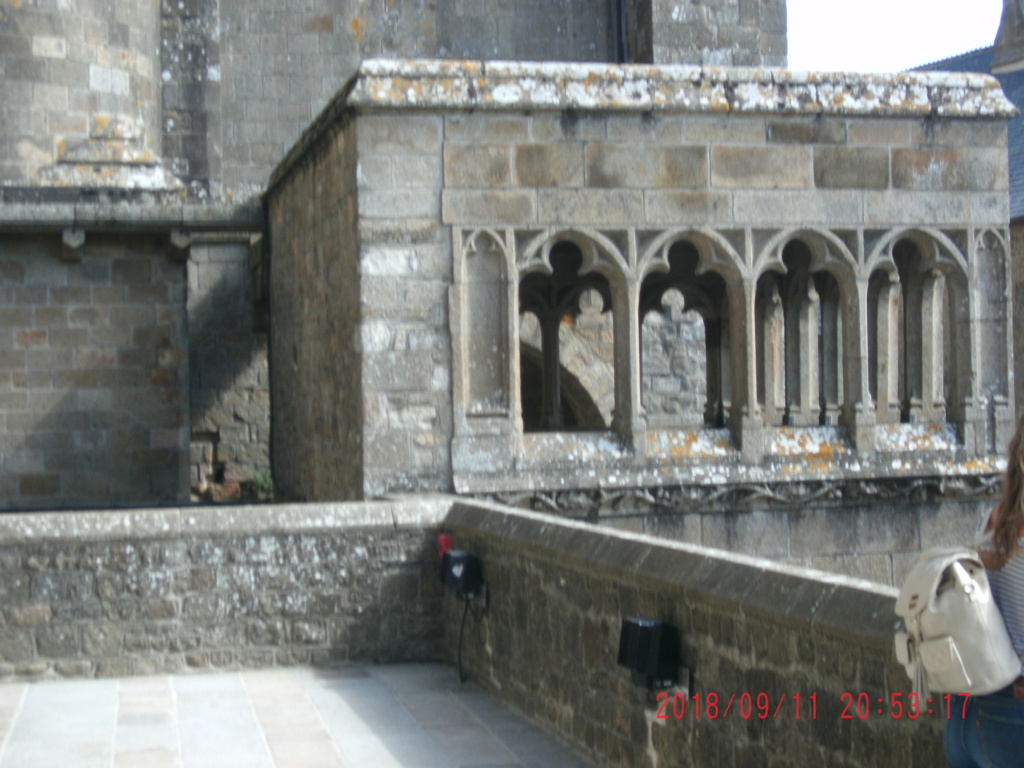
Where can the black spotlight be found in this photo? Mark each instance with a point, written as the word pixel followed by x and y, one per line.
pixel 462 573
pixel 650 649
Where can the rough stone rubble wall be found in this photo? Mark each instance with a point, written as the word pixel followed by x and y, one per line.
pixel 549 637
pixel 174 590
pixel 93 373
pixel 171 590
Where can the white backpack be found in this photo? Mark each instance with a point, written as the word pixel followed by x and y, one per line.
pixel 955 640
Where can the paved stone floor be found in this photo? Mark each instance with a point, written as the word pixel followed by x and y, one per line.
pixel 398 716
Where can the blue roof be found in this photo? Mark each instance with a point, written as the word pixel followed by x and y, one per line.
pixel 980 60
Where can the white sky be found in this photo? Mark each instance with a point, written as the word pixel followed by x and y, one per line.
pixel 886 35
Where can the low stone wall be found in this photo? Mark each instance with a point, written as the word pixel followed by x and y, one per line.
pixel 160 591
pixel 547 642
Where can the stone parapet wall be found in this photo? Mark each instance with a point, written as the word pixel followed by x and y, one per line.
pixel 547 643
pixel 172 590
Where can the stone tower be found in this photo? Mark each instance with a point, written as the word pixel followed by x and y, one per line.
pixel 85 75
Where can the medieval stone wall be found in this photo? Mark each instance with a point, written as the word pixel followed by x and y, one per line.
pixel 245 79
pixel 737 33
pixel 875 540
pixel 229 379
pixel 87 85
pixel 93 372
pixel 165 591
pixel 177 590
pixel 547 641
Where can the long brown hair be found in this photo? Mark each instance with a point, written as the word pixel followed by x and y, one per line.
pixel 1009 512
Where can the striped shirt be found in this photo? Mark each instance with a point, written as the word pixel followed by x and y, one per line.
pixel 1008 592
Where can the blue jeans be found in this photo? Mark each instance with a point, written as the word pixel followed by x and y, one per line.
pixel 990 736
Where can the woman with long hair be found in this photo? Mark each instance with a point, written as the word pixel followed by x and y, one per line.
pixel 988 731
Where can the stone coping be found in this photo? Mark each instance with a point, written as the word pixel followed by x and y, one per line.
pixel 526 86
pixel 508 85
pixel 257 519
pixel 842 606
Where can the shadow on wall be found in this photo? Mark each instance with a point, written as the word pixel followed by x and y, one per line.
pixel 229 378
pixel 92 372
pixel 127 377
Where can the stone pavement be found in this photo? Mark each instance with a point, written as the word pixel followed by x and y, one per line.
pixel 396 716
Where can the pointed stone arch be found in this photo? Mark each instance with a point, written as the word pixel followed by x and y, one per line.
pixel 808 328
pixel 481 338
pixel 714 288
pixel 554 271
pixel 991 260
pixel 933 346
pixel 600 254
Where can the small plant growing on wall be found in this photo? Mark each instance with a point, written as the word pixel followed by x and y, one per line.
pixel 263 485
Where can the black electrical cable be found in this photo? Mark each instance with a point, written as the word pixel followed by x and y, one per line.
pixel 462 631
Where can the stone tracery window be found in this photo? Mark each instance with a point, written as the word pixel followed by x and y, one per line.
pixel 799 330
pixel 630 331
pixel 919 333
pixel 566 345
pixel 685 343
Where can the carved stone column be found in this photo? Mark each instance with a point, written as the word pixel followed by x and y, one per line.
pixel 887 370
pixel 802 383
pixel 858 408
pixel 745 419
pixel 774 359
pixel 628 419
pixel 933 319
pixel 551 391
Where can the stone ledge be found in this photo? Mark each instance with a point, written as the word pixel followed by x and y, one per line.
pixel 131 216
pixel 173 522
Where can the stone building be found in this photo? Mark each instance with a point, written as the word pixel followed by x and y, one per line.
pixel 465 256
pixel 728 223
pixel 134 341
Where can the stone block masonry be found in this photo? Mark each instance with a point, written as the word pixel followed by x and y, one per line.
pixel 171 590
pixel 548 641
pixel 175 590
pixel 93 372
pixel 410 220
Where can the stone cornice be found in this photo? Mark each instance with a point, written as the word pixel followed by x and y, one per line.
pixel 496 85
